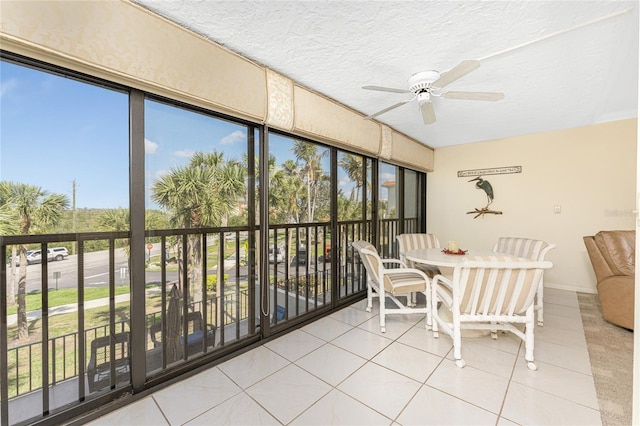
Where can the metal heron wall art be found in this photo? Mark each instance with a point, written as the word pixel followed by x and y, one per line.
pixel 488 190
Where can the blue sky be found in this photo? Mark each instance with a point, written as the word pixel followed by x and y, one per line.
pixel 55 130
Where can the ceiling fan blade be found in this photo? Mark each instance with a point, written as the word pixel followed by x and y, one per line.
pixel 428 114
pixel 394 106
pixel 460 70
pixel 474 96
pixel 386 89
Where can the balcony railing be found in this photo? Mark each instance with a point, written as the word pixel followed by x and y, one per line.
pixel 315 270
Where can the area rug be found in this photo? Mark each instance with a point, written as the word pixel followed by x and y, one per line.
pixel 611 353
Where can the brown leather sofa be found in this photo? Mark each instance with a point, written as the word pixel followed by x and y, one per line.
pixel 612 255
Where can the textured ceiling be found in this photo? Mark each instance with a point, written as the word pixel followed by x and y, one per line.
pixel 574 78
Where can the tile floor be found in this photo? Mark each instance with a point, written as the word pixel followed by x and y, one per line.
pixel 341 370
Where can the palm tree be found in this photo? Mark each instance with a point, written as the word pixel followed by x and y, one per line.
pixel 199 194
pixel 9 226
pixel 288 191
pixel 352 165
pixel 35 210
pixel 308 154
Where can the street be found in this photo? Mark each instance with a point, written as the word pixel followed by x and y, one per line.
pixel 64 273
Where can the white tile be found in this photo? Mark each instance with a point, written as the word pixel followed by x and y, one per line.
pixel 506 342
pixel 407 360
pixel 331 364
pixel 528 406
pixel 561 310
pixel 487 358
pixel 470 384
pixel 432 407
pixel 180 402
pixel 295 344
pixel 143 412
pixel 288 392
pixel 396 325
pixel 336 408
pixel 423 339
pixel 250 367
pixel 362 343
pixel 362 305
pixel 327 328
pixel 559 381
pixel 380 388
pixel 505 422
pixel 560 297
pixel 562 321
pixel 570 357
pixel 352 316
pixel 388 389
pixel 561 336
pixel 239 410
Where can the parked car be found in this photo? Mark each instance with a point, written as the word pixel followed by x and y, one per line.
pixel 29 253
pixel 35 256
pixel 58 253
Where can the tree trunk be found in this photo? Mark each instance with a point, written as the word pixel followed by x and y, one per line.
pixel 180 264
pixel 195 263
pixel 23 327
pixel 220 314
pixel 11 289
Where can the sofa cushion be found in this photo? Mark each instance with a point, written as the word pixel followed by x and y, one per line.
pixel 619 250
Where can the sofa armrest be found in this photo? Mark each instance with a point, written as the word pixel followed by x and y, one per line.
pixel 598 262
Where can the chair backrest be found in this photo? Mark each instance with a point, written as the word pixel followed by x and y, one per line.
pixel 496 285
pixel 101 348
pixel 194 323
pixel 407 242
pixel 523 247
pixel 369 258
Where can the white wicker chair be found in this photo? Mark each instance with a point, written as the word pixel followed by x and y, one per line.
pixel 488 293
pixel 392 282
pixel 407 242
pixel 531 249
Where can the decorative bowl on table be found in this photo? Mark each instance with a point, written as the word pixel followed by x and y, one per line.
pixel 457 252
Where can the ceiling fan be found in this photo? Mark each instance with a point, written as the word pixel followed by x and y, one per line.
pixel 427 84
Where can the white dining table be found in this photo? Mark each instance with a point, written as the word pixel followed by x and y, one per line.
pixel 436 257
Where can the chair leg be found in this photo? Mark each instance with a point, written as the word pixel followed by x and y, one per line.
pixel 381 296
pixel 434 311
pixel 369 296
pixel 540 304
pixel 429 306
pixel 529 342
pixel 412 300
pixel 457 343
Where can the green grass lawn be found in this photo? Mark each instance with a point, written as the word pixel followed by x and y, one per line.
pixel 65 296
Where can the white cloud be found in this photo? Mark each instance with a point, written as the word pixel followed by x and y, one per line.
pixel 387 176
pixel 185 153
pixel 235 137
pixel 344 181
pixel 8 86
pixel 150 147
pixel 160 173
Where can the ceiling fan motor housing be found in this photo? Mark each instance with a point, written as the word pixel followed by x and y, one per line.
pixel 421 81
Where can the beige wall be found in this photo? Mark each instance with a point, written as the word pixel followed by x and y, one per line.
pixel 590 172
